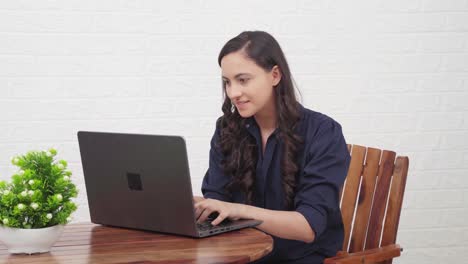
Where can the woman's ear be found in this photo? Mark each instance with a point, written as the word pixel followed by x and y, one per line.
pixel 276 74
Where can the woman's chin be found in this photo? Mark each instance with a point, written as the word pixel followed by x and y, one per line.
pixel 245 114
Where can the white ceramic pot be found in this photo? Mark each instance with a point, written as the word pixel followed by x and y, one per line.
pixel 30 241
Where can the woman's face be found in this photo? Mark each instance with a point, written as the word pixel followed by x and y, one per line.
pixel 248 86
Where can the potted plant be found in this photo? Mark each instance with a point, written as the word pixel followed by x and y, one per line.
pixel 36 204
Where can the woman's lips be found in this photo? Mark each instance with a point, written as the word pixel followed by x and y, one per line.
pixel 242 104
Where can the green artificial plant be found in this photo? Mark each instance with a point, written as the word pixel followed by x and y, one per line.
pixel 39 194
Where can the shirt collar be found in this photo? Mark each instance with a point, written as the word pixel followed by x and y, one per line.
pixel 250 122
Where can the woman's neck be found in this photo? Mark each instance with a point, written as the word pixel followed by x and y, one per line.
pixel 266 118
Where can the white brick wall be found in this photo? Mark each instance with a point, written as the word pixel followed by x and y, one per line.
pixel 393 73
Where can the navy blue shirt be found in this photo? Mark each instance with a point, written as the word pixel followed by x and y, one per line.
pixel 323 165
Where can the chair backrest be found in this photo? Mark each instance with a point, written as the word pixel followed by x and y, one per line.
pixel 372 198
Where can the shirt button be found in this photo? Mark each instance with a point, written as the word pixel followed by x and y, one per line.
pixel 247 126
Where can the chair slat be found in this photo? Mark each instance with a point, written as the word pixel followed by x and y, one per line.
pixel 342 187
pixel 366 196
pixel 374 230
pixel 351 189
pixel 395 201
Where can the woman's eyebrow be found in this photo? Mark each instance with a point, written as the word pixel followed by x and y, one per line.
pixel 237 75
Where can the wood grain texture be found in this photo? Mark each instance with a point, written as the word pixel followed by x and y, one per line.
pixel 89 243
pixel 370 256
pixel 374 230
pixel 395 202
pixel 351 189
pixel 366 195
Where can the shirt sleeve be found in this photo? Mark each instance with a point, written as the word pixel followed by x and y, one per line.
pixel 326 167
pixel 215 180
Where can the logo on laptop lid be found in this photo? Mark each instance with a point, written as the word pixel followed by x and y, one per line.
pixel 134 181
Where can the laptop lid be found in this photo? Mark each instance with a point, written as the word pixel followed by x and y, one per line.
pixel 138 181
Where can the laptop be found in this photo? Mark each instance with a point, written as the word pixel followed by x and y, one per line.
pixel 143 182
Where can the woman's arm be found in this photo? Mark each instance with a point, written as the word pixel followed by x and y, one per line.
pixel 283 224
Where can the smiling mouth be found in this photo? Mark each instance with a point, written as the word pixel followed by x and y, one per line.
pixel 241 102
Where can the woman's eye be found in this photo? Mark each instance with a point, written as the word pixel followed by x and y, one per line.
pixel 242 80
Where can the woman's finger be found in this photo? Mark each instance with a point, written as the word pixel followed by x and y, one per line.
pixel 219 219
pixel 198 212
pixel 204 215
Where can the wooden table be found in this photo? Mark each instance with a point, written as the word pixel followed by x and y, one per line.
pixel 90 243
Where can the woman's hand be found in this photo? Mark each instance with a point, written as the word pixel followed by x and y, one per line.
pixel 205 207
pixel 197 199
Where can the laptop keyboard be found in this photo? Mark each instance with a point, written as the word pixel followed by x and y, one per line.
pixel 207 225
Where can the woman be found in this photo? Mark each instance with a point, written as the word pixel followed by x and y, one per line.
pixel 273 160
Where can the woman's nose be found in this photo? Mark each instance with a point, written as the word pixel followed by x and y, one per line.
pixel 234 91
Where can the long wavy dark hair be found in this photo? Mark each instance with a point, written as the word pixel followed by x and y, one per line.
pixel 238 146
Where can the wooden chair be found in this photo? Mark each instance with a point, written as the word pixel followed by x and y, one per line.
pixel 376 182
